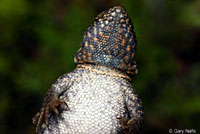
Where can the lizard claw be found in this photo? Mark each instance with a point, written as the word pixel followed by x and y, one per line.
pixel 126 125
pixel 48 107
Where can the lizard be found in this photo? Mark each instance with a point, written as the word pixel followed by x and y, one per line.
pixel 97 97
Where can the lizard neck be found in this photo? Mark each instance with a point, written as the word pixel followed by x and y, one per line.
pixel 104 70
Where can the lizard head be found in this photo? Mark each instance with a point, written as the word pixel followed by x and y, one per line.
pixel 110 41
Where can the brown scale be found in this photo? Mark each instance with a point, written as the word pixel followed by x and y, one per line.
pixel 110 40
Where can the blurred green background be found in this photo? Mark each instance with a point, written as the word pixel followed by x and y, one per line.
pixel 38 40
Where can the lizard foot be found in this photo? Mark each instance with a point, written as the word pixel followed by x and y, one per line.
pixel 126 125
pixel 49 106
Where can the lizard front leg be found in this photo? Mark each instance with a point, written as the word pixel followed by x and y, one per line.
pixel 49 106
pixel 134 122
pixel 51 102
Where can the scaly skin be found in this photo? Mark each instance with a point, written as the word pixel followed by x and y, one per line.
pixel 97 97
pixel 110 41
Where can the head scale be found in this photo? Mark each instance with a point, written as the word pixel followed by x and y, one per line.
pixel 110 41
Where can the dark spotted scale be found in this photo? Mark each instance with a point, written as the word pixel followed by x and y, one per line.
pixel 97 97
pixel 110 41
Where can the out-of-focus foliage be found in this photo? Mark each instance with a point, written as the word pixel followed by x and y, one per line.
pixel 40 37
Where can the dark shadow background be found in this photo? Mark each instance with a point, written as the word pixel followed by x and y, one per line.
pixel 38 40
